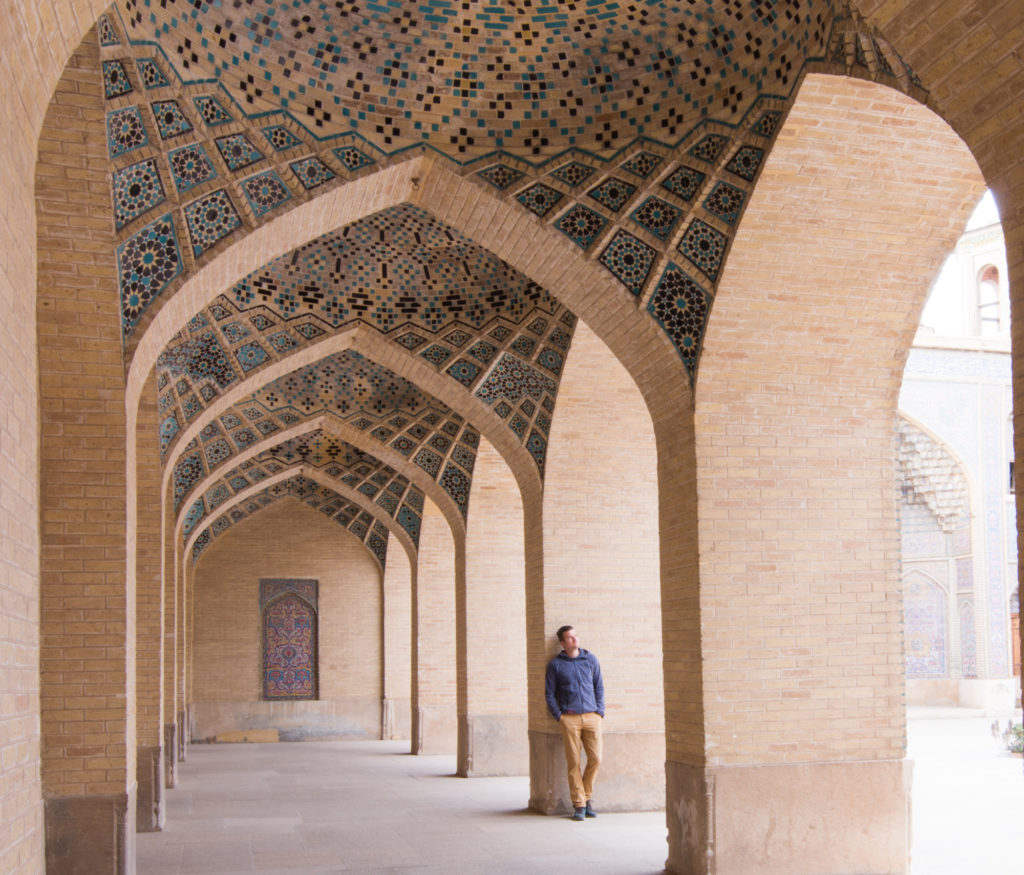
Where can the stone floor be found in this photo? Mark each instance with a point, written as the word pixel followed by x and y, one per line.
pixel 325 807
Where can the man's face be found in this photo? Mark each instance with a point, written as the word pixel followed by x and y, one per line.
pixel 569 641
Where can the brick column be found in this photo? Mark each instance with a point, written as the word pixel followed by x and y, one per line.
pixel 434 722
pixel 396 703
pixel 87 605
pixel 149 608
pixel 601 575
pixel 492 699
pixel 800 602
pixel 171 622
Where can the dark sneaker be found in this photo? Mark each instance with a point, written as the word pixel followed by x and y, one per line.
pixel 579 813
pixel 589 810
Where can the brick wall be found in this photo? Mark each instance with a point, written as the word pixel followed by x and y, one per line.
pixel 226 657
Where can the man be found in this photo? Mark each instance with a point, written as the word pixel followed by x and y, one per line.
pixel 575 696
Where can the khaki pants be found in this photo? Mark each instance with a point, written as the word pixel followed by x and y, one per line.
pixel 581 730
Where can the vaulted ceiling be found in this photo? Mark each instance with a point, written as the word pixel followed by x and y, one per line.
pixel 634 131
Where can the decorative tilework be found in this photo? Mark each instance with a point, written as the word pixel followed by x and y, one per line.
pixel 581 225
pixel 767 124
pixel 456 483
pixel 354 159
pixel 440 443
pixel 408 520
pixel 217 451
pixel 573 174
pixel 146 263
pixel 642 164
pixel 725 201
pixel 115 79
pixel 282 342
pixel 630 260
pixel 281 138
pixel 170 120
pixel 656 216
pixel 234 332
pixel 210 219
pixel 457 338
pixel 125 131
pixel 169 430
pixel 237 151
pixel 464 371
pixel 518 425
pixel 539 199
pixel 199 358
pixel 745 163
pixel 538 448
pixel 190 166
pixel 612 193
pixel 681 307
pixel 524 346
pixel 211 111
pixel 436 354
pixel 704 246
pixel 187 472
pixel 250 356
pixel 464 457
pixel 421 272
pixel 428 461
pixel 108 36
pixel 136 189
pixel 195 513
pixel 311 172
pixel 550 359
pixel 529 79
pixel 709 148
pixel 501 176
pixel 483 351
pixel 512 378
pixel 684 182
pixel 150 74
pixel 265 191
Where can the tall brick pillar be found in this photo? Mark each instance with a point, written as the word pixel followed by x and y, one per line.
pixel 171 623
pixel 145 521
pixel 492 613
pixel 601 575
pixel 87 611
pixel 800 604
pixel 434 722
pixel 396 714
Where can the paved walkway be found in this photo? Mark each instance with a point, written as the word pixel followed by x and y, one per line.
pixel 329 807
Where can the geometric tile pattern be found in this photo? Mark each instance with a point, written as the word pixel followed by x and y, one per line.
pixel 209 219
pixel 125 131
pixel 190 166
pixel 265 191
pixel 704 246
pixel 327 501
pixel 647 66
pixel 170 120
pixel 146 263
pixel 136 189
pixel 681 307
pixel 630 260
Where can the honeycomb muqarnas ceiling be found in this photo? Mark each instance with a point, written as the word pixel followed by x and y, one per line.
pixel 469 76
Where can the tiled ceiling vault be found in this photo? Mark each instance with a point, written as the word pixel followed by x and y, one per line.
pixel 636 131
pixel 531 78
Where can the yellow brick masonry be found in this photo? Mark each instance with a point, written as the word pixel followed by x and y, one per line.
pixel 800 586
pixel 87 605
pixel 305 544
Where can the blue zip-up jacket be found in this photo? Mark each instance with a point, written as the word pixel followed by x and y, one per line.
pixel 574 684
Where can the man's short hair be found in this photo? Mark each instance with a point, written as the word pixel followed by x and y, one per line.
pixel 563 630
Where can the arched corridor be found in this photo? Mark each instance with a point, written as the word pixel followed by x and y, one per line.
pixel 353 348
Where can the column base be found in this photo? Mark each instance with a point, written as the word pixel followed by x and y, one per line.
pixel 493 745
pixel 396 719
pixel 150 815
pixel 182 736
pixel 801 819
pixel 435 730
pixel 90 834
pixel 631 777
